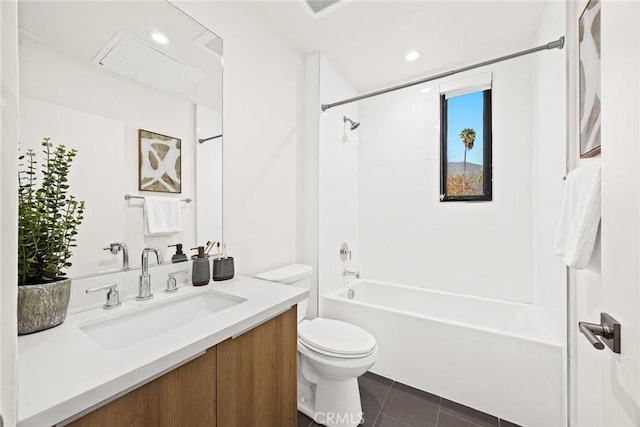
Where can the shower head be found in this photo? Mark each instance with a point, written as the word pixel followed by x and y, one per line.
pixel 354 125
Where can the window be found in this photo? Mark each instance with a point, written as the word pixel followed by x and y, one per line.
pixel 465 153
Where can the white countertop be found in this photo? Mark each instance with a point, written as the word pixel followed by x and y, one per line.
pixel 62 371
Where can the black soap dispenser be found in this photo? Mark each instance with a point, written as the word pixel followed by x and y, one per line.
pixel 200 273
pixel 179 256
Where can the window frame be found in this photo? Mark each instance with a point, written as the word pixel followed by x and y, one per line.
pixel 487 194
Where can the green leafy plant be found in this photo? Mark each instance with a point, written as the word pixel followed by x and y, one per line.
pixel 48 216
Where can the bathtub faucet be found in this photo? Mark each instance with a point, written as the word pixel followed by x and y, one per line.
pixel 346 273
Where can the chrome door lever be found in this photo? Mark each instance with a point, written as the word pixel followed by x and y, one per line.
pixel 608 330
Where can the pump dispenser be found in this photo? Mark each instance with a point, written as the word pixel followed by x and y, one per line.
pixel 200 273
pixel 179 256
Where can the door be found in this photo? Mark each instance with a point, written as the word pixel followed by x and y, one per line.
pixel 606 388
pixel 9 211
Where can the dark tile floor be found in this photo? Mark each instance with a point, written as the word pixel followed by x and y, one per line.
pixel 387 403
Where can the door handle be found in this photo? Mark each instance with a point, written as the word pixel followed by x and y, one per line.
pixel 608 330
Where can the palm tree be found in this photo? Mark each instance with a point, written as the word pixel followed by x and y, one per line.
pixel 468 136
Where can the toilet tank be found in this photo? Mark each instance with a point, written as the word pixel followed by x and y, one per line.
pixel 298 275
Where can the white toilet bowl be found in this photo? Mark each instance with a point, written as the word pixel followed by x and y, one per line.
pixel 331 356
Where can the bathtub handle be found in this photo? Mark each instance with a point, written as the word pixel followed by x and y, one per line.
pixel 608 330
pixel 344 252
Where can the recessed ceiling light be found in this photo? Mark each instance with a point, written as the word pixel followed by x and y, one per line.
pixel 412 56
pixel 426 90
pixel 160 38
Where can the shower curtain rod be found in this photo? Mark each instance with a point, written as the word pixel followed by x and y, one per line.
pixel 557 44
pixel 201 140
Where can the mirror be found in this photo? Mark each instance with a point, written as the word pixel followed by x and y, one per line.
pixel 92 74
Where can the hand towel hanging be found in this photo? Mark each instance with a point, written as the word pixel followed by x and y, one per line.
pixel 163 216
pixel 580 215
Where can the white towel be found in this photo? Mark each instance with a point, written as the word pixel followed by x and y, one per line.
pixel 580 216
pixel 163 215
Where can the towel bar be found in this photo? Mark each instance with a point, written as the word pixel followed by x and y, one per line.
pixel 129 197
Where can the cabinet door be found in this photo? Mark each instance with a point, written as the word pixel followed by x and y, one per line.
pixel 185 396
pixel 257 375
pixel 128 410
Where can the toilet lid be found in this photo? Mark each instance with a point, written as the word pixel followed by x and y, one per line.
pixel 336 337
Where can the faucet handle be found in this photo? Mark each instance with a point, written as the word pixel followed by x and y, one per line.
pixel 113 296
pixel 113 247
pixel 172 285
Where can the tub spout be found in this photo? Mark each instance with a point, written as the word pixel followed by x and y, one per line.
pixel 347 273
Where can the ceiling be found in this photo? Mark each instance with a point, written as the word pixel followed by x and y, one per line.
pixel 368 40
pixel 81 29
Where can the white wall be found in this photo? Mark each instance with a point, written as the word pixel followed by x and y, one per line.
pixel 406 234
pixel 9 212
pixel 263 87
pixel 92 95
pixel 338 180
pixel 308 173
pixel 549 168
pixel 549 164
pixel 208 200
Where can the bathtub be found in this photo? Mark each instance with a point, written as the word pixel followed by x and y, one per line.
pixel 495 356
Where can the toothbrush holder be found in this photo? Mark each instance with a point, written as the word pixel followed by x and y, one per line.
pixel 223 269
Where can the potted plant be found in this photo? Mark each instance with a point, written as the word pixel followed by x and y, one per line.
pixel 48 218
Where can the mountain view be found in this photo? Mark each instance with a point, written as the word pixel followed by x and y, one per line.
pixel 457 185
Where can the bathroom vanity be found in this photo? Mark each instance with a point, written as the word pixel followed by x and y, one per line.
pixel 248 380
pixel 233 366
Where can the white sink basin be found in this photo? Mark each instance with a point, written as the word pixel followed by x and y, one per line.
pixel 153 318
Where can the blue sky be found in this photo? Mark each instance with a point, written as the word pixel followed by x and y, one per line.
pixel 465 111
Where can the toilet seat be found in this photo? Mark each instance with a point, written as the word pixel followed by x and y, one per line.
pixel 335 338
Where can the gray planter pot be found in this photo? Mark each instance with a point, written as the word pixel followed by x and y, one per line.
pixel 43 306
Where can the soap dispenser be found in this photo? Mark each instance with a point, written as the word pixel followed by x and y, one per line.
pixel 200 273
pixel 179 256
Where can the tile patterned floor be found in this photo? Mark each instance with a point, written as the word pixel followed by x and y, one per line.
pixel 387 403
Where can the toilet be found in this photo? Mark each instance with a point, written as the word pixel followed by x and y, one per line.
pixel 331 356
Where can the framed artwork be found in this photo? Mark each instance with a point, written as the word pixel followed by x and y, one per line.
pixel 159 161
pixel 589 46
pixel 465 147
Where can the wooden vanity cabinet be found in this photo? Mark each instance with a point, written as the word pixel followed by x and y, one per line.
pixel 185 396
pixel 257 375
pixel 245 381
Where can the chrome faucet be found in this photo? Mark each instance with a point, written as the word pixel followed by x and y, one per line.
pixel 115 248
pixel 144 285
pixel 346 273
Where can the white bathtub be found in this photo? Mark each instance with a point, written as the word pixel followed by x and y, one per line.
pixel 495 356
